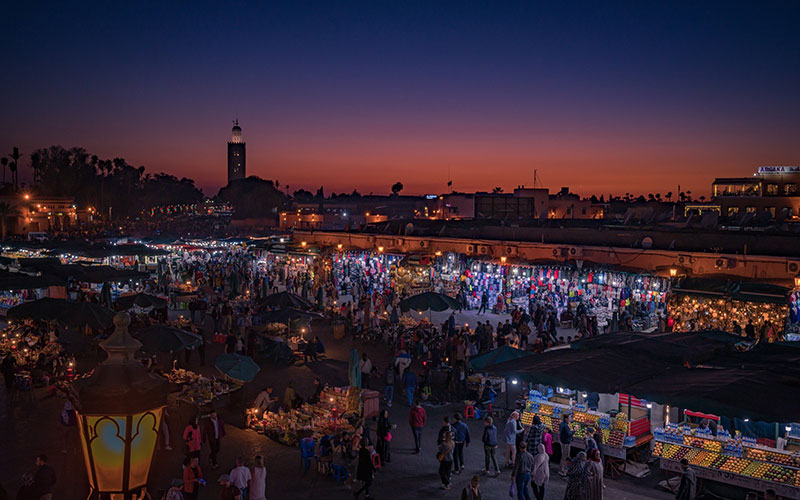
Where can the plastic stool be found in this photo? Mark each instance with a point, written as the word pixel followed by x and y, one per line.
pixel 469 411
pixel 376 461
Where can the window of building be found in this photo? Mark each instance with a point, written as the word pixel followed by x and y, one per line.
pixel 772 189
pixel 750 210
pixel 733 210
pixel 786 212
pixel 790 189
pixel 771 211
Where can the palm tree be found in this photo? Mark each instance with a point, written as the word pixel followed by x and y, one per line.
pixel 497 190
pixel 15 156
pixel 4 162
pixel 6 212
pixel 668 196
pixel 689 195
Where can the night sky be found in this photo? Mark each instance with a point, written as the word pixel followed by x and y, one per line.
pixel 602 97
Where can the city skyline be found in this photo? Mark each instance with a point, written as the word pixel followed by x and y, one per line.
pixel 603 99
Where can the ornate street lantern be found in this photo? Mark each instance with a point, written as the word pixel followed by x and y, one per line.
pixel 119 413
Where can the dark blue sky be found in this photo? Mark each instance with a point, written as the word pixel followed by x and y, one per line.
pixel 599 96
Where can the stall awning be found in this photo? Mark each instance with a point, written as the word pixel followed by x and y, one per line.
pixel 702 371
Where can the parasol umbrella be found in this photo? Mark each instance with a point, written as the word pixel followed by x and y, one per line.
pixel 285 299
pixel 142 300
pixel 237 366
pixel 163 338
pixel 429 301
pixel 286 315
pixel 67 312
pixel 74 342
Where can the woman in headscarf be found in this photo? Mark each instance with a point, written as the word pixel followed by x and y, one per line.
pixel 384 435
pixel 541 472
pixel 575 490
pixel 593 477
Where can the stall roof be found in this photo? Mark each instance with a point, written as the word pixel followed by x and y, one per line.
pixel 80 272
pixel 747 291
pixel 20 281
pixel 699 370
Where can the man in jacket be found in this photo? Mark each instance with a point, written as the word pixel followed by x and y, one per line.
pixel 489 445
pixel 565 434
pixel 410 385
pixel 535 432
pixel 461 437
pixel 523 468
pixel 213 432
pixel 416 419
pixel 687 490
pixel 446 429
pixel 44 478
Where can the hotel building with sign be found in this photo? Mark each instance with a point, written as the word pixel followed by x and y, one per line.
pixel 774 189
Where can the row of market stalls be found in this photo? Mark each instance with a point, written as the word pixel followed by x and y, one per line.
pixel 616 298
pixel 640 388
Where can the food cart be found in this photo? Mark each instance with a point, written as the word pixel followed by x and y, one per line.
pixel 729 459
pixel 626 434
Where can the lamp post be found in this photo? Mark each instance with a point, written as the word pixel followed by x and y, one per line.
pixel 119 414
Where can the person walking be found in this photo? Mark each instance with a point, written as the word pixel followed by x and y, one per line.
pixel 258 484
pixel 364 471
pixel 44 478
pixel 461 438
pixel 229 491
pixel 489 440
pixel 687 489
pixel 541 472
pixel 565 434
pixel 445 456
pixel 384 436
pixel 241 477
pixel 213 433
pixel 389 380
pixel 366 368
pixel 535 435
pixel 410 385
pixel 510 438
pixel 192 436
pixel 523 468
pixel 484 303
pixel 416 419
pixel 192 479
pixel 575 482
pixel 472 490
pixel 446 429
pixel 593 477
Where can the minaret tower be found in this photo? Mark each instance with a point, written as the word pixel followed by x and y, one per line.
pixel 236 151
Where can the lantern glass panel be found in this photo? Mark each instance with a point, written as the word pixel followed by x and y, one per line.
pixel 104 437
pixel 144 436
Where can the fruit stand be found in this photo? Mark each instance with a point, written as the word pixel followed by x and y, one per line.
pixel 620 440
pixel 734 460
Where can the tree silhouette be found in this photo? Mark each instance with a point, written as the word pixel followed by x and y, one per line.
pixel 14 166
pixel 682 196
pixel 689 195
pixel 702 198
pixel 396 188
pixel 4 162
pixel 497 190
pixel 668 196
pixel 6 212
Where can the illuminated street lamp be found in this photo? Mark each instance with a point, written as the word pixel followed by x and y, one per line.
pixel 673 271
pixel 119 413
pixel 797 281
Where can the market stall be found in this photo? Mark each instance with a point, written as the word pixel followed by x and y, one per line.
pixel 338 410
pixel 697 304
pixel 626 431
pixel 202 392
pixel 731 459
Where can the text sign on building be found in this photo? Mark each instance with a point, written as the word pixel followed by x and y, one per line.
pixel 779 170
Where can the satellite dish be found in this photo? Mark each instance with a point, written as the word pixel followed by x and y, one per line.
pixel 647 243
